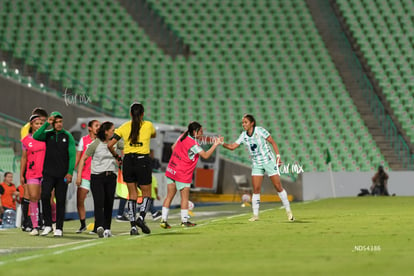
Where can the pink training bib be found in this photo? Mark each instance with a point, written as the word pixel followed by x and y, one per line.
pixel 36 151
pixel 183 161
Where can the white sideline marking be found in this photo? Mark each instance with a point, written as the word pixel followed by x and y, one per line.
pixel 27 258
pixel 236 216
pixel 74 248
pixel 70 243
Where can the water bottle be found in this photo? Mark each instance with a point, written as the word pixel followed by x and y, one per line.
pixel 9 219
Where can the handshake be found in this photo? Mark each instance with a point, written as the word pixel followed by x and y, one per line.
pixel 218 140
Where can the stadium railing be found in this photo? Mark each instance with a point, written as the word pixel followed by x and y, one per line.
pixel 388 127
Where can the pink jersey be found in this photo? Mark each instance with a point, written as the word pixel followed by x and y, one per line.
pixel 183 160
pixel 36 151
pixel 86 172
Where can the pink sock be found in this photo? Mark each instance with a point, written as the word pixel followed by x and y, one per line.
pixel 53 212
pixel 34 213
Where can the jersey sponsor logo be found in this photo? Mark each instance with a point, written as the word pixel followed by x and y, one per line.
pixel 253 147
pixel 176 155
pixel 137 145
pixel 171 171
pixel 30 144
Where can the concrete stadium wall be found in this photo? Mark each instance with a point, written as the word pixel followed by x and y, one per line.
pixel 348 184
pixel 18 100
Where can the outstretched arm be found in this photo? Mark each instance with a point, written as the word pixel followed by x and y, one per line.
pixel 207 154
pixel 231 146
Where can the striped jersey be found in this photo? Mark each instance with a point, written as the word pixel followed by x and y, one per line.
pixel 258 147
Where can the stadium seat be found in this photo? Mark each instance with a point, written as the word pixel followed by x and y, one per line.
pixel 262 57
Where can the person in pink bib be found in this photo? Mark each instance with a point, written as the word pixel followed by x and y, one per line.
pixel 33 155
pixel 85 185
pixel 179 173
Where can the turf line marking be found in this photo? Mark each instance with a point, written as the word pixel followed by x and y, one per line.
pixel 22 259
pixel 74 248
pixel 27 258
pixel 70 243
pixel 310 201
pixel 235 216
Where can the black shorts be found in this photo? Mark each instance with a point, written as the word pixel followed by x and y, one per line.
pixel 136 168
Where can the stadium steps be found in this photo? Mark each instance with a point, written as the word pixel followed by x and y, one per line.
pixel 381 33
pixel 156 29
pixel 351 73
pixel 376 132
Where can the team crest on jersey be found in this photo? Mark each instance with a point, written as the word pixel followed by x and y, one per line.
pixel 64 140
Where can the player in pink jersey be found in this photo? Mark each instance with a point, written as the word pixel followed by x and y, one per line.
pixel 33 155
pixel 179 173
pixel 85 184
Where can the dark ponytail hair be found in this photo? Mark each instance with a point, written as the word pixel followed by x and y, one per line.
pixel 193 126
pixel 101 131
pixel 250 118
pixel 137 110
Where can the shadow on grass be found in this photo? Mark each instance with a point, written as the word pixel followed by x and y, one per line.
pixel 73 237
pixel 298 221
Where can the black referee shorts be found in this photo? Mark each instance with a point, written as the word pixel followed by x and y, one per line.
pixel 136 168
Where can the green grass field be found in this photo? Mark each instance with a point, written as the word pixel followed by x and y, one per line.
pixel 344 236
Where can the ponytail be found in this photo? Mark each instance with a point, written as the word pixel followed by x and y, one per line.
pixel 193 126
pixel 137 110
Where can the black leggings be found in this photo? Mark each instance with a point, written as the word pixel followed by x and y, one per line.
pixel 103 191
pixel 61 187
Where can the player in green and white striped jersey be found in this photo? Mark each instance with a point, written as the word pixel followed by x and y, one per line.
pixel 257 140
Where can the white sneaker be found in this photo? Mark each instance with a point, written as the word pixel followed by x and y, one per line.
pixel 35 232
pixel 100 231
pixel 58 233
pixel 46 231
pixel 254 218
pixel 107 233
pixel 290 216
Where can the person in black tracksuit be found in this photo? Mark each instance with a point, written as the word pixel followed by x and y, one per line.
pixel 57 169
